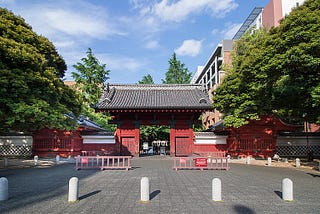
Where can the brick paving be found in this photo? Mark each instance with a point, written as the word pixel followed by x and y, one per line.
pixel 245 189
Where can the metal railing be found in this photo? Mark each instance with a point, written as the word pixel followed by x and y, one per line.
pixel 201 163
pixel 103 162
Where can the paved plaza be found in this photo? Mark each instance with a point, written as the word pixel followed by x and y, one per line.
pixel 245 189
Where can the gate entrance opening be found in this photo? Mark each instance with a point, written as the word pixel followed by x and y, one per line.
pixel 154 140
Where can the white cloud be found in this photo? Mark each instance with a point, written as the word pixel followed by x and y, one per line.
pixel 230 30
pixel 122 63
pixel 71 22
pixel 7 1
pixel 189 48
pixel 152 44
pixel 180 10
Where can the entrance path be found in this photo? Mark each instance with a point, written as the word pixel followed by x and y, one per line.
pixel 245 189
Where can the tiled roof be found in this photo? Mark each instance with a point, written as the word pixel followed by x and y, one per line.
pixel 155 96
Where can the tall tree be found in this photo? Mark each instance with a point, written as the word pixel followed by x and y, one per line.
pixel 32 95
pixel 90 78
pixel 177 72
pixel 146 80
pixel 275 72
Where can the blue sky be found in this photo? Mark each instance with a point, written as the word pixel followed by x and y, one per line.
pixel 135 37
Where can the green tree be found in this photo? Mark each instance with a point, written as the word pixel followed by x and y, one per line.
pixel 90 78
pixel 177 72
pixel 146 80
pixel 32 95
pixel 275 72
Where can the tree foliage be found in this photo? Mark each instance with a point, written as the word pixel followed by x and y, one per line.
pixel 90 78
pixel 275 72
pixel 146 80
pixel 152 133
pixel 32 95
pixel 177 72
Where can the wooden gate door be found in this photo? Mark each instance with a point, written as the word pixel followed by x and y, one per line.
pixel 182 146
pixel 128 146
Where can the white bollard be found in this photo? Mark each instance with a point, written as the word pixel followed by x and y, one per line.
pixel 269 161
pixel 35 159
pixel 229 158
pixel 145 195
pixel 73 189
pixel 57 159
pixel 248 160
pixel 287 189
pixel 297 162
pixel 3 189
pixel 216 189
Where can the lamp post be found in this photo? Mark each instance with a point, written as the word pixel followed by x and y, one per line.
pixel 306 129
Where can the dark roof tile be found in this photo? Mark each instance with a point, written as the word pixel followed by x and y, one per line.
pixel 156 96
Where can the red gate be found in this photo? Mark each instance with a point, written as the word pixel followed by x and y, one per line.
pixel 128 146
pixel 182 146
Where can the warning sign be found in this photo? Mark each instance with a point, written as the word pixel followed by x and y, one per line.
pixel 201 162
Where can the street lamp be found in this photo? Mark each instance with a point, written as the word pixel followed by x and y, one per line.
pixel 306 129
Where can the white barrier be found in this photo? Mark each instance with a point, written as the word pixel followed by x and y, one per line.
pixel 145 195
pixel 57 159
pixel 269 161
pixel 216 189
pixel 73 189
pixel 3 189
pixel 287 189
pixel 297 162
pixel 35 159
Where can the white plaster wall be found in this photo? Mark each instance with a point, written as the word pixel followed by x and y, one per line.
pixel 97 139
pixel 211 140
pixel 287 6
pixel 16 140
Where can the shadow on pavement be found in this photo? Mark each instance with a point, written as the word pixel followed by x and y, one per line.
pixel 89 194
pixel 154 194
pixel 278 193
pixel 243 209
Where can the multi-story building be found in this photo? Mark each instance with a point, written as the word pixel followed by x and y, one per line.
pixel 211 74
pixel 275 10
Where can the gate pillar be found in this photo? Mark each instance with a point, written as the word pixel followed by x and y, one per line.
pixel 181 138
pixel 128 135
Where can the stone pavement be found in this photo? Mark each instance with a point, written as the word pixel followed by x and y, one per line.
pixel 245 189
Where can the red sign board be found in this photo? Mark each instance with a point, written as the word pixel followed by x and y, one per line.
pixel 201 162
